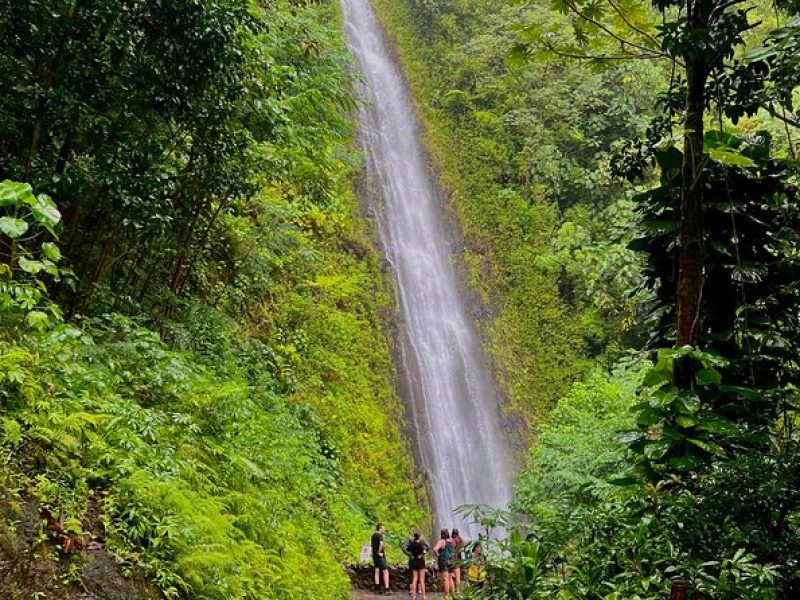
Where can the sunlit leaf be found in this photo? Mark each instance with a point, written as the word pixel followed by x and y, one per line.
pixel 13 227
pixel 51 251
pixel 30 266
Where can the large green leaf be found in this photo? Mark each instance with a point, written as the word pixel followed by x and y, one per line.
pixel 45 212
pixel 37 320
pixel 656 449
pixel 708 446
pixel 757 54
pixel 13 193
pixel 51 251
pixel 30 266
pixel 13 227
pixel 683 463
pixel 49 267
pixel 718 425
pixel 730 158
pixel 707 377
pixel 744 392
pixel 648 417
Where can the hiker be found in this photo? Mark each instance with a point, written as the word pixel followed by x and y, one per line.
pixel 411 538
pixel 476 574
pixel 443 551
pixel 416 562
pixel 408 542
pixel 379 558
pixel 458 543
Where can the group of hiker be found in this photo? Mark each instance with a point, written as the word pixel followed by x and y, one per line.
pixel 452 553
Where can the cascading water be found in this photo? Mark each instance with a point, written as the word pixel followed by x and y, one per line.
pixel 452 398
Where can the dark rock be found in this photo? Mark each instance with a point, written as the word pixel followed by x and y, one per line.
pixel 34 567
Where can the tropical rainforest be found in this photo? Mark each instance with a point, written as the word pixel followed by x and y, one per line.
pixel 199 374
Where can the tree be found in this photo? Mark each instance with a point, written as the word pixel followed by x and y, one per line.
pixel 132 114
pixel 700 39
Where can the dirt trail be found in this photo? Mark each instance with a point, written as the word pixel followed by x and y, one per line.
pixel 362 595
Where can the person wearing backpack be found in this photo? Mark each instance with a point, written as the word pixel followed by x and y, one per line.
pixel 444 550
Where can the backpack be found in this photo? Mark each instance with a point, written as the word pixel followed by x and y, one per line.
pixel 448 551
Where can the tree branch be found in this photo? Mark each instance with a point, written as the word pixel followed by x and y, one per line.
pixel 788 120
pixel 631 25
pixel 601 57
pixel 721 8
pixel 619 38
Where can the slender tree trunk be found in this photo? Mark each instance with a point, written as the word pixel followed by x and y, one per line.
pixel 690 226
pixel 86 250
pixel 99 268
pixel 35 140
pixel 105 254
pixel 148 279
pixel 50 74
pixel 71 220
pixel 63 155
pixel 178 275
pixel 689 290
pixel 202 244
pixel 71 209
pixel 129 268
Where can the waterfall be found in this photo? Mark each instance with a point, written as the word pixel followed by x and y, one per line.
pixel 451 397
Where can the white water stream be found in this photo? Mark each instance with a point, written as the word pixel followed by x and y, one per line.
pixel 451 395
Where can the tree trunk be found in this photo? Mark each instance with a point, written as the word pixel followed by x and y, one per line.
pixel 177 274
pixel 690 227
pixel 50 74
pixel 63 155
pixel 148 280
pixel 681 590
pixel 203 242
pixel 97 272
pixel 86 250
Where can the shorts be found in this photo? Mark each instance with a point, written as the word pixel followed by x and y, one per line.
pixel 380 563
pixel 444 565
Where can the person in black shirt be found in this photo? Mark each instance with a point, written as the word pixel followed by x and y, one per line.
pixel 416 549
pixel 379 558
pixel 410 539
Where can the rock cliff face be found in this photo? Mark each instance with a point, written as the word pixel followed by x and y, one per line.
pixel 39 561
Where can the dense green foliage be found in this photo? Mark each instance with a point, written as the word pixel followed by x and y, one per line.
pixel 576 456
pixel 586 537
pixel 524 155
pixel 706 485
pixel 217 409
pixel 195 380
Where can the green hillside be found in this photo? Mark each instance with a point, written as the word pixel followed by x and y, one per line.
pixel 196 378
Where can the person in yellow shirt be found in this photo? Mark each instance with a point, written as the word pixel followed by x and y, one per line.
pixel 476 573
